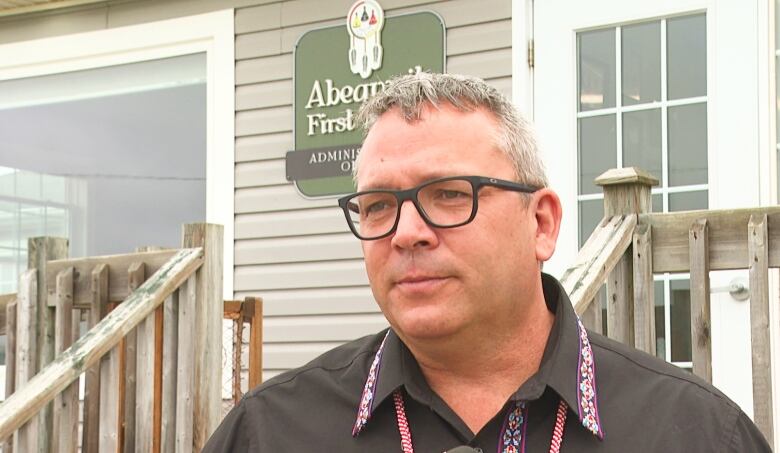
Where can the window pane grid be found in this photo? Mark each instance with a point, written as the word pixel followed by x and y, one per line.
pixel 619 95
pixel 27 211
pixel 646 106
pixel 619 109
pixel 32 201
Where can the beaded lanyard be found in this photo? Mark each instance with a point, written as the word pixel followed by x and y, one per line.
pixel 513 437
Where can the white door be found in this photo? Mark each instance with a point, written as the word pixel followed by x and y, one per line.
pixel 670 86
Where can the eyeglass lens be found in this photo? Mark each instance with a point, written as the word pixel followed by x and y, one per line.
pixel 445 203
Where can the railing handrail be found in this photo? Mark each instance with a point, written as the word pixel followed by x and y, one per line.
pixel 728 237
pixel 601 252
pixel 597 258
pixel 87 351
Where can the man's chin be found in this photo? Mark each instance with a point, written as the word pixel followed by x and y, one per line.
pixel 426 328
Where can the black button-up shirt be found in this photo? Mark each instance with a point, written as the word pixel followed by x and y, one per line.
pixel 641 403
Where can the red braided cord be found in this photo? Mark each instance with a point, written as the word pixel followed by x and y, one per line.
pixel 560 422
pixel 403 423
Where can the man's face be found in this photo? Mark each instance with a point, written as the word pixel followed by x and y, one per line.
pixel 432 282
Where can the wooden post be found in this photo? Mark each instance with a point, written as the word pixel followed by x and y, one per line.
pixel 169 370
pixel 144 385
pixel 91 426
pixel 135 277
pixel 238 343
pixel 66 403
pixel 701 327
pixel 109 422
pixel 145 382
pixel 644 290
pixel 626 191
pixel 154 405
pixel 758 247
pixel 208 330
pixel 185 375
pixel 10 360
pixel 255 342
pixel 157 374
pixel 26 329
pixel 41 250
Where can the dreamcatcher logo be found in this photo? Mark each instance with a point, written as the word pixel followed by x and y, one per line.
pixel 364 24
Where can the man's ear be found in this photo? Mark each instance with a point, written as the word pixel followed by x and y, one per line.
pixel 547 209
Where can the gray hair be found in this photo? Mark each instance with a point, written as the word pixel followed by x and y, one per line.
pixel 411 93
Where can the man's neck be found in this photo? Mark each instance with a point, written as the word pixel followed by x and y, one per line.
pixel 476 376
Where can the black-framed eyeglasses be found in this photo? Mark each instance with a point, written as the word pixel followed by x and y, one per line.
pixel 443 203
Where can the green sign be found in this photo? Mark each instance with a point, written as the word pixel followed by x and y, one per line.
pixel 328 93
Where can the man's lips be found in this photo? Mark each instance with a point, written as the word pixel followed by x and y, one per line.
pixel 419 279
pixel 420 284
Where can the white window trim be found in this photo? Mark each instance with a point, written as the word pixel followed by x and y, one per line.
pixel 768 90
pixel 522 74
pixel 212 33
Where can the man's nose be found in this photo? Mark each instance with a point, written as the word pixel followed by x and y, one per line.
pixel 412 231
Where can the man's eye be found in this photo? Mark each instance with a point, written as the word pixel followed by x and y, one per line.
pixel 452 195
pixel 378 206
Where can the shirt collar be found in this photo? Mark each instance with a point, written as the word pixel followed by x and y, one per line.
pixel 393 366
pixel 567 366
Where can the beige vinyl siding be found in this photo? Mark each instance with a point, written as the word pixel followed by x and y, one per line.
pixel 318 274
pixel 263 147
pixel 319 301
pixel 296 249
pixel 297 253
pixel 304 222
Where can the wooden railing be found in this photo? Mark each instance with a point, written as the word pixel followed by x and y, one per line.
pixel 148 358
pixel 631 244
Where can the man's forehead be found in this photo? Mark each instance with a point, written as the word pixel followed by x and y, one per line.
pixel 386 179
pixel 444 141
pixel 402 171
pixel 390 123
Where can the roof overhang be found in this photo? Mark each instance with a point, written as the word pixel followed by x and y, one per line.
pixel 19 7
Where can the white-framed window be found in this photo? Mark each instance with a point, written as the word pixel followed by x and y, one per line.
pixel 125 135
pixel 32 204
pixel 211 34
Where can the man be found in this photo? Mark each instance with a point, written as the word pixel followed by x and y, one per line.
pixel 484 351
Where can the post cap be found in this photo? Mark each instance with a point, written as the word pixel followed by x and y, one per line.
pixel 630 175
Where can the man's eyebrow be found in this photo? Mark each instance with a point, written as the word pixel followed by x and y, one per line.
pixel 378 186
pixel 422 180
